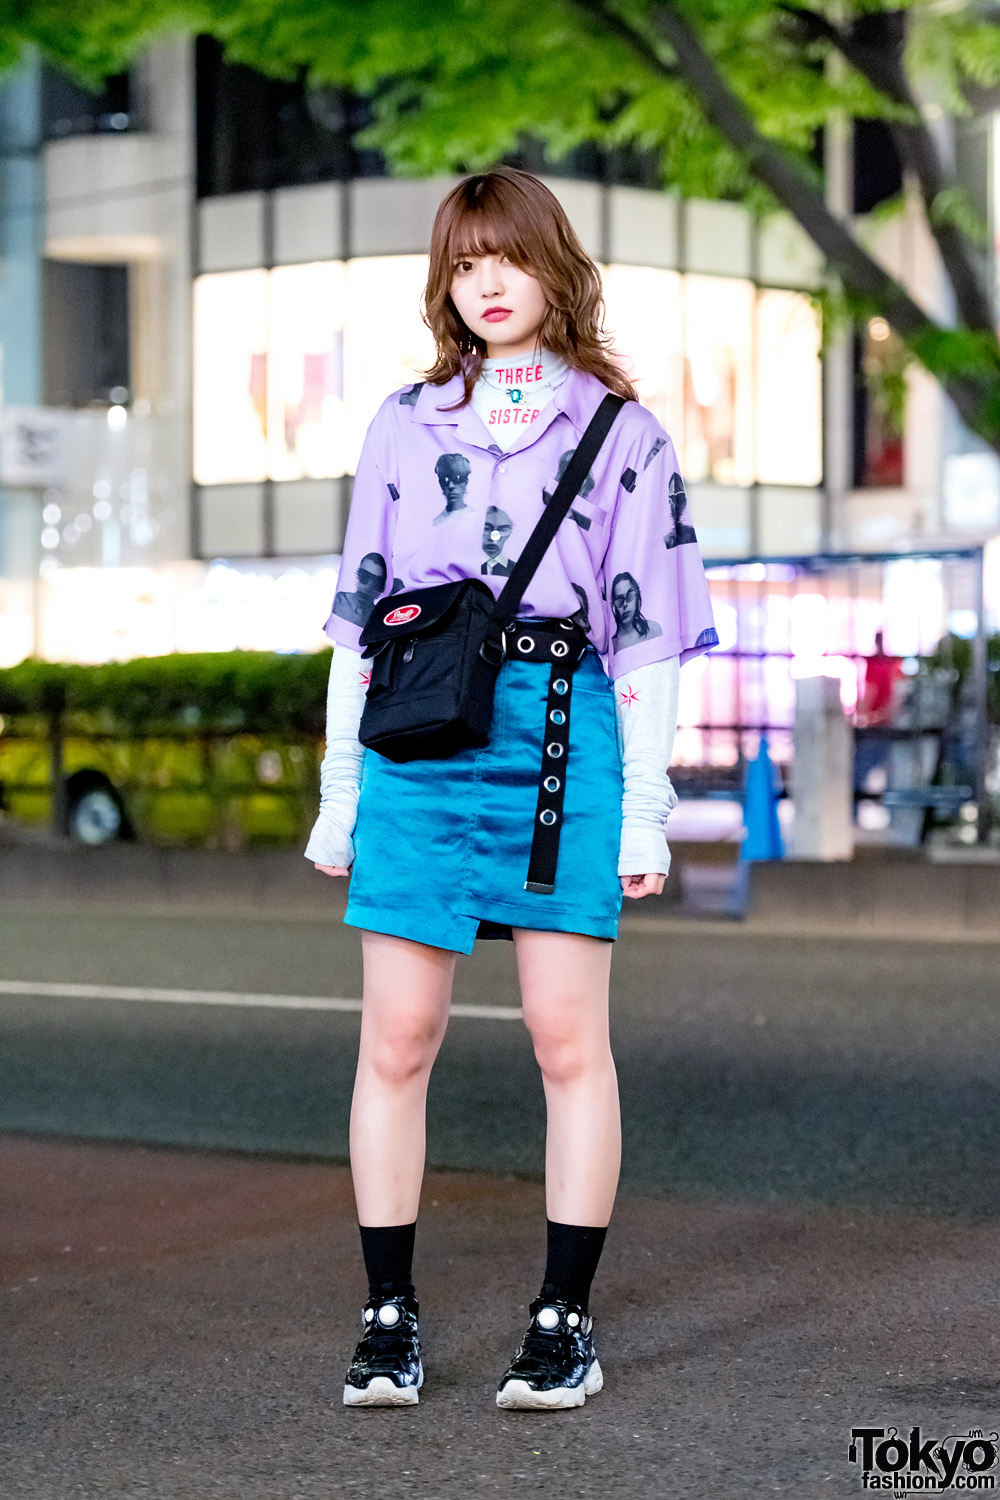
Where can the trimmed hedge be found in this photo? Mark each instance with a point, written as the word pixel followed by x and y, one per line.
pixel 221 692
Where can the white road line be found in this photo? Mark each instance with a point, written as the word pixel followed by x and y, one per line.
pixel 226 997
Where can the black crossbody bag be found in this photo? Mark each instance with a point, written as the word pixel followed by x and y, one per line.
pixel 436 652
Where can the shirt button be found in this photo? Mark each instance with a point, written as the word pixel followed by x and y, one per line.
pixel 502 468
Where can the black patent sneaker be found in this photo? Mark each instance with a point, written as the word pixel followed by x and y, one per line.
pixel 555 1365
pixel 386 1368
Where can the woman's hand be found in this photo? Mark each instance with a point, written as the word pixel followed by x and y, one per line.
pixel 638 886
pixel 333 869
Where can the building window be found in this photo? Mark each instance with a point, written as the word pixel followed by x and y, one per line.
pixel 879 406
pixel 718 379
pixel 290 366
pixel 259 133
pixel 230 377
pixel 85 333
pixel 788 390
pixel 878 172
pixel 256 133
pixel 68 109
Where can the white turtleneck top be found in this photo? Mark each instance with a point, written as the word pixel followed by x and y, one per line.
pixel 511 393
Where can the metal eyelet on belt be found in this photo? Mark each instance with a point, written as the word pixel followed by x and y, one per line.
pixel 557 716
pixel 566 625
pixel 560 648
pixel 548 817
pixel 554 750
pixel 560 686
pixel 525 643
pixel 551 783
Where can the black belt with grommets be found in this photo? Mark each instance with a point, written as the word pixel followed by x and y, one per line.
pixel 559 644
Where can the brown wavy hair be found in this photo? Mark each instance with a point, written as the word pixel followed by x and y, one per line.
pixel 509 212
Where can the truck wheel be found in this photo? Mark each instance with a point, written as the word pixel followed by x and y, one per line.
pixel 96 816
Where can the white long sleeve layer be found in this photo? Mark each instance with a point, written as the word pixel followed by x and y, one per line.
pixel 331 841
pixel 646 708
pixel 646 704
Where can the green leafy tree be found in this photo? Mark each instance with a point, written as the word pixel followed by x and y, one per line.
pixel 727 93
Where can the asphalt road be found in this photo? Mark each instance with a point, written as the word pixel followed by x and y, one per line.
pixel 807 1237
pixel 752 1067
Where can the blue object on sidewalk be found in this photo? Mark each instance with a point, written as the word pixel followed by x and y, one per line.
pixel 760 809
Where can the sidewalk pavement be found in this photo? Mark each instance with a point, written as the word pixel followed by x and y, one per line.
pixel 881 893
pixel 177 1325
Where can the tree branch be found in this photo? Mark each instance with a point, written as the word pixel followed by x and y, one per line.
pixel 862 277
pixel 874 45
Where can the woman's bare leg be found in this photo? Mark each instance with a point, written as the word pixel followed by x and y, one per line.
pixel 407 992
pixel 564 988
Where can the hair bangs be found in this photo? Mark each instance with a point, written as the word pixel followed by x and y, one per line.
pixel 487 227
pixel 510 212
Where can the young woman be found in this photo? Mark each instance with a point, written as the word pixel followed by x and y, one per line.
pixel 452 479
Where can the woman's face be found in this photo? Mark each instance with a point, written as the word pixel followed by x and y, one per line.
pixel 624 599
pixel 484 288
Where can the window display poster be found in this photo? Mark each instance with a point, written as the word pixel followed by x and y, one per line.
pixel 789 429
pixel 718 379
pixel 386 342
pixel 230 377
pixel 306 416
pixel 643 315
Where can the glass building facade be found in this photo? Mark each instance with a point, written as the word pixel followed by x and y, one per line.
pixel 207 289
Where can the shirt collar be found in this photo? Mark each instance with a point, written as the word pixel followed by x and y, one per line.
pixel 430 397
pixel 579 396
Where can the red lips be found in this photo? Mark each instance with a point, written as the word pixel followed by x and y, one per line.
pixel 496 313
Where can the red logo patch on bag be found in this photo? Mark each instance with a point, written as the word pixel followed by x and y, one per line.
pixel 403 615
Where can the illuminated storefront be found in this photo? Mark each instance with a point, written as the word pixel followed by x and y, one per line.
pixel 779 621
pixel 290 366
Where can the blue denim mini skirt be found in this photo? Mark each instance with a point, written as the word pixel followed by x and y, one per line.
pixel 443 845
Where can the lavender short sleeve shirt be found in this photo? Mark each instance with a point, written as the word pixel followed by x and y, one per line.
pixel 436 500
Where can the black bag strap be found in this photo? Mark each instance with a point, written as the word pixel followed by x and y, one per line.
pixel 555 511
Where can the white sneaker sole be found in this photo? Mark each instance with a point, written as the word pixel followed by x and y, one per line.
pixel 517 1395
pixel 381 1391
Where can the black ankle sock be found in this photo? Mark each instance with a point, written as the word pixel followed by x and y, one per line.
pixel 573 1253
pixel 388 1254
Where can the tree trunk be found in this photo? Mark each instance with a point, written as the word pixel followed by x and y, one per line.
pixel 874 45
pixel 860 274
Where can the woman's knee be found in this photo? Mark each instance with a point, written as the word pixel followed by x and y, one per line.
pixel 566 1049
pixel 401 1047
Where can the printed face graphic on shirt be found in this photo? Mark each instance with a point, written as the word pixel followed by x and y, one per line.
pixel 680 532
pixel 660 443
pixel 629 477
pixel 371 579
pixel 497 528
pixel 626 606
pixel 588 484
pixel 582 616
pixel 452 470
